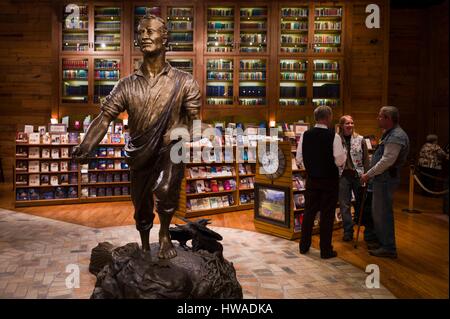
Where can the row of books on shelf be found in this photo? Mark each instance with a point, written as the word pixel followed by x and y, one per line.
pixel 294 12
pixel 45 179
pixel 180 12
pixel 45 166
pixel 328 25
pixel 253 12
pixel 327 38
pixel 204 203
pixel 100 164
pixel 65 138
pixel 209 171
pixel 253 38
pixel 179 25
pixel 294 25
pixel 293 76
pixel 105 177
pixel 42 152
pixel 220 25
pixel 221 12
pixel 258 76
pixel 105 191
pixel 247 183
pixel 208 186
pixel 294 39
pixel 25 194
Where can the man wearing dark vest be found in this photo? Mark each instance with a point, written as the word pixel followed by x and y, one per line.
pixel 321 152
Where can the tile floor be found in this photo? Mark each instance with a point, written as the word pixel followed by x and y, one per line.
pixel 35 253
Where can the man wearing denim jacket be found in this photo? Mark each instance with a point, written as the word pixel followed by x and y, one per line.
pixel 385 172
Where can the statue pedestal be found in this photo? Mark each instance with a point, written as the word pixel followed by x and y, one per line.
pixel 127 272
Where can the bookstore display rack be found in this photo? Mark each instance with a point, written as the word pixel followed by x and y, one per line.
pixel 294 179
pixel 294 23
pixel 45 173
pixel 222 183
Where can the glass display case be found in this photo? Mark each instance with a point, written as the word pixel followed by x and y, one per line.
pixel 294 29
pixel 107 29
pixel 326 82
pixel 219 82
pixel 252 82
pixel 106 75
pixel 327 29
pixel 253 29
pixel 220 29
pixel 180 23
pixel 74 80
pixel 293 82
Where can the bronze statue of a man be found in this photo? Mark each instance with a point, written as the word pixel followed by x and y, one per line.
pixel 158 98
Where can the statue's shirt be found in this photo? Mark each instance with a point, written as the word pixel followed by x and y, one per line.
pixel 144 99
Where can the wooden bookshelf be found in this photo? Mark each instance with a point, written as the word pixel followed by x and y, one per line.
pixel 65 183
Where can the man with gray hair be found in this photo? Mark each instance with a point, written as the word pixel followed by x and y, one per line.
pixel 321 152
pixel 386 162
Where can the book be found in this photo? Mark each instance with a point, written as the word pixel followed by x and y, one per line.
pixel 213 202
pixel 64 138
pixel 45 152
pixel 73 179
pixel 200 186
pixel 42 130
pixel 64 152
pixel 64 179
pixel 299 201
pixel 64 166
pixel 202 171
pixel 21 179
pixel 46 139
pixel 28 129
pixel 84 178
pixel 34 138
pixel 22 166
pixel 214 186
pixel 45 167
pixel 72 192
pixel 45 179
pixel 92 178
pixel 33 152
pixel 73 137
pixel 101 177
pixel 54 180
pixel 54 167
pixel 22 137
pixel 47 194
pixel 117 164
pixel 55 153
pixel 125 190
pixel 92 192
pixel 33 167
pixel 21 151
pixel 55 138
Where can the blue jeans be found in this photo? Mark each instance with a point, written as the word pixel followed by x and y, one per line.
pixel 347 184
pixel 382 210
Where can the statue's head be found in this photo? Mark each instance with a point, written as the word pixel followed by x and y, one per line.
pixel 152 37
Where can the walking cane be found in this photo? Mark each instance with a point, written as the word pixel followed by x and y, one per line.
pixel 361 210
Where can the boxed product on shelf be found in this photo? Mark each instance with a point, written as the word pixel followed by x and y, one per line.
pixel 64 138
pixel 64 166
pixel 22 194
pixel 73 165
pixel 55 153
pixel 73 137
pixel 34 138
pixel 33 194
pixel 33 152
pixel 101 177
pixel 109 191
pixel 54 167
pixel 84 178
pixel 45 152
pixel 64 179
pixel 299 201
pixel 298 221
pixel 45 179
pixel 33 166
pixel 34 180
pixel 60 192
pixel 125 190
pixel 117 191
pixel 101 192
pixel 46 139
pixel 21 151
pixel 125 177
pixel 117 164
pixel 72 192
pixel 54 180
pixel 92 178
pixel 116 177
pixel 55 138
pixel 22 166
pixel 45 167
pixel 21 137
pixel 92 192
pixel 298 182
pixel 65 152
pixel 21 179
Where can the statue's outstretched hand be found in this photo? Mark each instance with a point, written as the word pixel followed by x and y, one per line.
pixel 80 155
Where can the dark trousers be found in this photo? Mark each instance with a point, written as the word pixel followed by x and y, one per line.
pixel 320 195
pixel 158 185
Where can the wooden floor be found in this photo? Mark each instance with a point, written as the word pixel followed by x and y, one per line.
pixel 421 271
